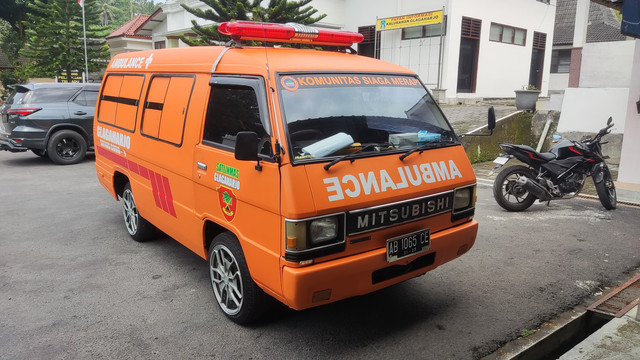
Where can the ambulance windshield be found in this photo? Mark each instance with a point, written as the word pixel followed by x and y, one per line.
pixel 361 114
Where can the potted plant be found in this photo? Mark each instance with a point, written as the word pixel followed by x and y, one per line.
pixel 527 97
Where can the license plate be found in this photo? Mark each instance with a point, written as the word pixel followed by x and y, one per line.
pixel 501 160
pixel 406 245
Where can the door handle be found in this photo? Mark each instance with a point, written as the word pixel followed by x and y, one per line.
pixel 202 166
pixel 80 113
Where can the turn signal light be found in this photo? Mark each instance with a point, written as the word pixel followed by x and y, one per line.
pixel 290 32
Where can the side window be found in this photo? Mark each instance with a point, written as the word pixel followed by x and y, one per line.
pixel 86 98
pixel 234 108
pixel 48 95
pixel 165 108
pixel 119 100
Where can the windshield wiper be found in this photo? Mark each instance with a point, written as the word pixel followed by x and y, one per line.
pixel 426 146
pixel 352 155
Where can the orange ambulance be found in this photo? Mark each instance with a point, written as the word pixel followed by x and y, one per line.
pixel 307 175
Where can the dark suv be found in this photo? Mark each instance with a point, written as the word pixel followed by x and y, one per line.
pixel 50 119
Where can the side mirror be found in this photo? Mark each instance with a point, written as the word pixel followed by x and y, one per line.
pixel 247 146
pixel 491 122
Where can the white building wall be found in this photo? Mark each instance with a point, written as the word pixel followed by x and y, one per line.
pixel 629 169
pixel 587 109
pixel 502 68
pixel 607 64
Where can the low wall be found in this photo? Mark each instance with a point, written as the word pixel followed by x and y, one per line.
pixel 514 129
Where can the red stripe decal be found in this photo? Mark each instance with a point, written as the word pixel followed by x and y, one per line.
pixel 154 188
pixel 167 189
pixel 144 172
pixel 161 193
pixel 159 184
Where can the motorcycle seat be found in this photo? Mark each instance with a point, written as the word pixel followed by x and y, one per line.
pixel 546 156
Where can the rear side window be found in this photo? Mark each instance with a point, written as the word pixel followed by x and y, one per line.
pixel 86 98
pixel 49 95
pixel 234 107
pixel 16 96
pixel 165 108
pixel 119 100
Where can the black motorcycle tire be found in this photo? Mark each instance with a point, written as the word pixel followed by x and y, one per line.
pixel 606 190
pixel 506 188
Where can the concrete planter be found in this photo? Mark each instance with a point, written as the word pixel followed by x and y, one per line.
pixel 439 95
pixel 526 99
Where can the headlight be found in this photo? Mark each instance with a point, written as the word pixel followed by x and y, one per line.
pixel 322 230
pixel 310 238
pixel 464 200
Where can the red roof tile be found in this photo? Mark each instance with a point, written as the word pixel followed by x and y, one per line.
pixel 130 28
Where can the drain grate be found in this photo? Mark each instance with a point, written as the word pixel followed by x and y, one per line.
pixel 619 301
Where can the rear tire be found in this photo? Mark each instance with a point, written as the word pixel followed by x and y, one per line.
pixel 508 193
pixel 138 227
pixel 237 295
pixel 66 147
pixel 607 190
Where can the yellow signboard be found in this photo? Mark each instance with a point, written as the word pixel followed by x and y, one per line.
pixel 399 22
pixel 76 76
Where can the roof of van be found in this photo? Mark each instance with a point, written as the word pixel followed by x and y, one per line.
pixel 248 60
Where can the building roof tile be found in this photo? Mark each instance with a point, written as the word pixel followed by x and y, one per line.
pixel 130 28
pixel 603 25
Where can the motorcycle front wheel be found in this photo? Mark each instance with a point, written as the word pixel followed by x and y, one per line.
pixel 508 193
pixel 606 190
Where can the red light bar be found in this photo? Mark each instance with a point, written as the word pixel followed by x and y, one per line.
pixel 23 111
pixel 291 33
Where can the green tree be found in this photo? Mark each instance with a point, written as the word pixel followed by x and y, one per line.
pixel 277 11
pixel 13 11
pixel 144 7
pixel 108 11
pixel 55 38
pixel 12 36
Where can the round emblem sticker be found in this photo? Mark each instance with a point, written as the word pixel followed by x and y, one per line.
pixel 289 83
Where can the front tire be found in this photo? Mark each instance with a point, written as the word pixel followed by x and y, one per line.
pixel 138 227
pixel 508 193
pixel 606 190
pixel 238 296
pixel 66 147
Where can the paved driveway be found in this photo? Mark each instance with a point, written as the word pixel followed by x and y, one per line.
pixel 74 286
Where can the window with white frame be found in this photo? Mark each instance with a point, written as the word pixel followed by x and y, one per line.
pixel 507 34
pixel 425 31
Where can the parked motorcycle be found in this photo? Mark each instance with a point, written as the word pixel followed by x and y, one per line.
pixel 557 174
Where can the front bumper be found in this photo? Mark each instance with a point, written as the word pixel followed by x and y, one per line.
pixel 360 274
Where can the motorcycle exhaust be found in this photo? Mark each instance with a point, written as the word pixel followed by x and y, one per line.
pixel 534 188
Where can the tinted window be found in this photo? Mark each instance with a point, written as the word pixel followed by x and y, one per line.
pixel 86 98
pixel 15 97
pixel 47 95
pixel 232 108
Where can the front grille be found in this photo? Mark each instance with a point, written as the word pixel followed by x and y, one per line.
pixel 384 216
pixel 397 270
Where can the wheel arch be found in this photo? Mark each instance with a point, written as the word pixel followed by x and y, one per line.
pixel 119 181
pixel 59 127
pixel 210 231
